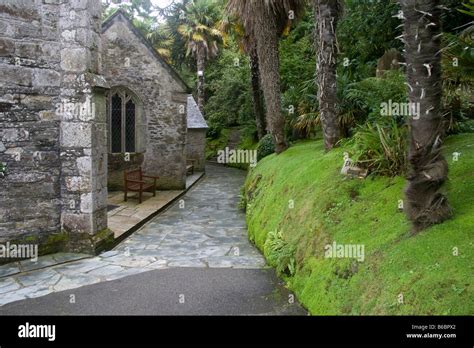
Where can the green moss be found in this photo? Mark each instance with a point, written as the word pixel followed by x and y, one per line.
pixel 54 243
pixel 103 240
pixel 329 207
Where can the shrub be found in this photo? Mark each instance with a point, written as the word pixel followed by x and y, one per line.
pixel 250 131
pixel 458 81
pixel 265 147
pixel 369 94
pixel 214 131
pixel 381 149
pixel 307 122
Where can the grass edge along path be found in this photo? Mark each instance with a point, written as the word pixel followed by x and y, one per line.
pixel 297 203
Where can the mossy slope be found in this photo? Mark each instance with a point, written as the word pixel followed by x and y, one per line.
pixel 327 207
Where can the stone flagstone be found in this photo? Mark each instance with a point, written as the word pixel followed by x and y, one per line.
pixel 208 232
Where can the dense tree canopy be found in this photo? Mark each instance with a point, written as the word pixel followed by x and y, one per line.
pixel 260 68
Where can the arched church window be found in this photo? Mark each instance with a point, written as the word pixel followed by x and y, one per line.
pixel 122 111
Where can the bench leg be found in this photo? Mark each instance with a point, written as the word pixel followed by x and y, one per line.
pixel 140 197
pixel 125 196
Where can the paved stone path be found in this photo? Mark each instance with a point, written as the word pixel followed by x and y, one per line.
pixel 205 229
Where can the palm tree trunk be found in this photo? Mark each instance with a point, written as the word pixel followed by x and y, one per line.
pixel 327 15
pixel 266 35
pixel 201 65
pixel 426 204
pixel 257 95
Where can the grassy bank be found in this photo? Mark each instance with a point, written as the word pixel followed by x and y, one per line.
pixel 298 202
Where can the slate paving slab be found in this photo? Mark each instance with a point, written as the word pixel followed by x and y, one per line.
pixel 9 269
pixel 209 232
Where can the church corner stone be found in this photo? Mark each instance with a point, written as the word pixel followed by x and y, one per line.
pixel 53 125
pixel 59 67
pixel 83 126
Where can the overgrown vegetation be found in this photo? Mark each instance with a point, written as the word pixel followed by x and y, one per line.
pixel 265 147
pixel 431 270
pixel 297 202
pixel 381 148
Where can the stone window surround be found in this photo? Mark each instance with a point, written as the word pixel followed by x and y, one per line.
pixel 126 94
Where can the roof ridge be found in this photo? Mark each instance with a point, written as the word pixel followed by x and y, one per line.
pixel 120 12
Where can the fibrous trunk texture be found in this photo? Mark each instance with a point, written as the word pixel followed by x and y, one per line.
pixel 266 34
pixel 257 95
pixel 201 65
pixel 426 204
pixel 326 15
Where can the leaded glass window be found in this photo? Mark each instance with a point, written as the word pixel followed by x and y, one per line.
pixel 122 116
pixel 116 124
pixel 130 126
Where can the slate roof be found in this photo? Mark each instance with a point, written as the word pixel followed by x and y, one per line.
pixel 123 15
pixel 195 118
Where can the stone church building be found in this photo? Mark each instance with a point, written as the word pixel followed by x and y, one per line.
pixel 80 102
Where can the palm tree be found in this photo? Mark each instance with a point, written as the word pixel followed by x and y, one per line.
pixel 199 30
pixel 265 21
pixel 327 14
pixel 162 40
pixel 426 204
pixel 257 97
pixel 247 45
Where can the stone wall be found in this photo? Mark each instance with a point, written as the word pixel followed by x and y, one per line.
pixel 196 147
pixel 117 165
pixel 30 208
pixel 52 124
pixel 129 62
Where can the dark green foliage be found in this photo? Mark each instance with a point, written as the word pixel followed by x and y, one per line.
pixel 228 89
pixel 250 132
pixel 468 8
pixel 370 93
pixel 214 131
pixel 380 148
pixel 367 29
pixel 379 142
pixel 455 15
pixel 265 147
pixel 458 80
pixel 297 69
pixel 174 18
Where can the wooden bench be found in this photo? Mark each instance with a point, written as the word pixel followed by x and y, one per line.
pixel 134 182
pixel 190 166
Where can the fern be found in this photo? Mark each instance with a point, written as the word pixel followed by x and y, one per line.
pixel 279 253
